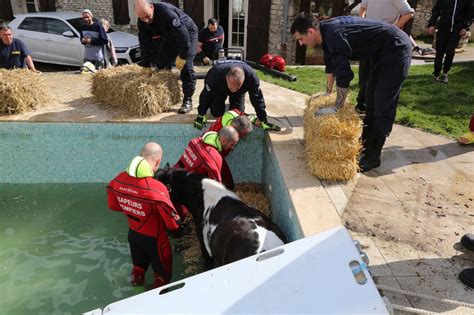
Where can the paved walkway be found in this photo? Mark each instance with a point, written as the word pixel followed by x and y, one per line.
pixel 410 214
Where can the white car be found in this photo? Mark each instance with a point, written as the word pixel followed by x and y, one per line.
pixel 54 37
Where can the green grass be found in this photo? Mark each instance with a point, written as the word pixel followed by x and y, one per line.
pixel 439 108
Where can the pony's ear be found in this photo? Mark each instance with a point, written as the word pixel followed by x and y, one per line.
pixel 167 166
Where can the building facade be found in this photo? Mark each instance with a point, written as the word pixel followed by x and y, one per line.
pixel 252 26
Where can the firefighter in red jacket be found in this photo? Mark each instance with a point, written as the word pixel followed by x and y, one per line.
pixel 150 212
pixel 202 155
pixel 243 124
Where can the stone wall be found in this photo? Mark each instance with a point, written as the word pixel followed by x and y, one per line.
pixel 287 48
pixel 422 15
pixel 100 9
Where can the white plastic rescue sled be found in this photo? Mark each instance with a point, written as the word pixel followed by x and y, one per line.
pixel 323 273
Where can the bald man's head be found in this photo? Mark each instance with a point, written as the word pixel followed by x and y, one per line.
pixel 153 153
pixel 228 137
pixel 144 11
pixel 235 78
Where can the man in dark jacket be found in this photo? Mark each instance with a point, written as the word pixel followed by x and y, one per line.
pixel 13 52
pixel 347 38
pixel 232 78
pixel 94 38
pixel 168 36
pixel 454 21
pixel 210 41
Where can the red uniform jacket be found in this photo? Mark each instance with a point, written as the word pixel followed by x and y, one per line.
pixel 145 202
pixel 217 126
pixel 202 158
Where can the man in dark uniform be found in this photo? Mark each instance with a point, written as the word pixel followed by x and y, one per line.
pixel 232 78
pixel 150 212
pixel 455 17
pixel 210 41
pixel 347 38
pixel 168 36
pixel 13 52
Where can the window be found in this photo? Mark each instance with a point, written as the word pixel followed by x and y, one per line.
pixel 57 27
pixel 31 6
pixel 76 23
pixel 33 24
pixel 238 23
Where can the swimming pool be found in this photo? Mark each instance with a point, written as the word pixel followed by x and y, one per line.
pixel 62 251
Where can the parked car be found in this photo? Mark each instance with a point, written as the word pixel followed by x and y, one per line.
pixel 54 37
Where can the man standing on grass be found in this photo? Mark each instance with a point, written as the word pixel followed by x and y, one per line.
pixel 347 38
pixel 454 20
pixel 396 12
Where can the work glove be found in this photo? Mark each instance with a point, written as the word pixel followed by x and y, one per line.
pixel 252 118
pixel 340 100
pixel 323 94
pixel 200 122
pixel 325 111
pixel 270 127
pixel 180 63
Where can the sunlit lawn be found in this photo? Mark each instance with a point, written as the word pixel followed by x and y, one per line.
pixel 436 107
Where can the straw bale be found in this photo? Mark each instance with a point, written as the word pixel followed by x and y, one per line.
pixel 21 90
pixel 140 90
pixel 344 124
pixel 343 169
pixel 335 148
pixel 188 245
pixel 331 141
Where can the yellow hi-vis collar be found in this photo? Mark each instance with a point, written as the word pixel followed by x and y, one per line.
pixel 228 118
pixel 212 138
pixel 139 168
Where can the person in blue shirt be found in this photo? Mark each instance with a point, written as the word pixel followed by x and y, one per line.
pixel 13 52
pixel 168 37
pixel 210 41
pixel 347 38
pixel 94 38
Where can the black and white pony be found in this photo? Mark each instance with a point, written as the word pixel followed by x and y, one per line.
pixel 228 229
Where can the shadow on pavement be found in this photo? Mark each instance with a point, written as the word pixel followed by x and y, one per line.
pixel 394 157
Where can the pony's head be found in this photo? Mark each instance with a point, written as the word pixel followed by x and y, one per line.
pixel 184 188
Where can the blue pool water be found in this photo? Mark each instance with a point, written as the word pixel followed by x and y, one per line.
pixel 62 251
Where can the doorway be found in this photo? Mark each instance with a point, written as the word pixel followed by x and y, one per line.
pixel 232 16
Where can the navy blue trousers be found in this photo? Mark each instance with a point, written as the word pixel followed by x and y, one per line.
pixel 383 92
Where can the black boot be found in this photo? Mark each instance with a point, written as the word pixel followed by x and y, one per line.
pixel 360 108
pixel 467 241
pixel 365 138
pixel 372 157
pixel 187 105
pixel 467 277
